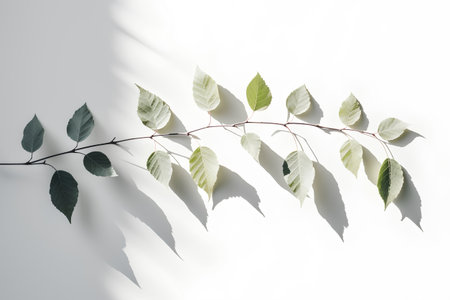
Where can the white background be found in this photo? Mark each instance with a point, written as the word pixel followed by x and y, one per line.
pixel 132 238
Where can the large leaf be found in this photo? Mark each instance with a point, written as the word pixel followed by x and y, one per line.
pixel 81 124
pixel 258 94
pixel 391 128
pixel 33 135
pixel 203 165
pixel 350 111
pixel 390 180
pixel 298 101
pixel 298 171
pixel 98 164
pixel 64 192
pixel 205 91
pixel 160 166
pixel 252 143
pixel 153 112
pixel 351 155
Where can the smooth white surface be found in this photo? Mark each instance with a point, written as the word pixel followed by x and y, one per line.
pixel 132 238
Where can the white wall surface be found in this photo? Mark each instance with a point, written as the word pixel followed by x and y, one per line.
pixel 131 238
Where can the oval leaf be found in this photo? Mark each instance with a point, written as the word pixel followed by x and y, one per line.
pixel 205 91
pixel 258 94
pixel 64 193
pixel 33 135
pixel 298 101
pixel 252 143
pixel 350 111
pixel 298 172
pixel 204 166
pixel 153 112
pixel 390 180
pixel 81 124
pixel 160 166
pixel 391 128
pixel 351 155
pixel 98 164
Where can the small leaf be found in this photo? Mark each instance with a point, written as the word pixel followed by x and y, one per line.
pixel 298 101
pixel 205 91
pixel 33 135
pixel 64 192
pixel 203 165
pixel 81 124
pixel 252 143
pixel 258 94
pixel 390 180
pixel 351 155
pixel 350 111
pixel 391 128
pixel 98 164
pixel 160 166
pixel 153 112
pixel 298 171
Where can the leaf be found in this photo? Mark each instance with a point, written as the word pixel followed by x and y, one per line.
pixel 160 166
pixel 204 166
pixel 33 135
pixel 98 164
pixel 153 112
pixel 298 101
pixel 205 91
pixel 252 143
pixel 81 124
pixel 64 192
pixel 350 111
pixel 390 180
pixel 298 173
pixel 351 155
pixel 258 94
pixel 391 128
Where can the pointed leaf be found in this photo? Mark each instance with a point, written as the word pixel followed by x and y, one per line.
pixel 350 111
pixel 252 143
pixel 153 112
pixel 391 128
pixel 81 124
pixel 64 192
pixel 205 91
pixel 160 166
pixel 298 171
pixel 298 101
pixel 390 180
pixel 258 94
pixel 98 164
pixel 33 135
pixel 351 155
pixel 203 165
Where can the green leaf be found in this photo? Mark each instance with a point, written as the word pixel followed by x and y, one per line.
pixel 160 166
pixel 98 164
pixel 391 128
pixel 252 143
pixel 351 155
pixel 205 91
pixel 298 171
pixel 153 112
pixel 81 124
pixel 64 193
pixel 258 94
pixel 298 101
pixel 390 180
pixel 350 111
pixel 33 135
pixel 203 165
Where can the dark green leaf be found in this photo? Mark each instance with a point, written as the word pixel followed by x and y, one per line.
pixel 390 180
pixel 98 164
pixel 64 192
pixel 81 124
pixel 33 135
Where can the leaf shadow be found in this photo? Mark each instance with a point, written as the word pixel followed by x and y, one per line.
pixel 408 201
pixel 230 110
pixel 406 138
pixel 314 114
pixel 175 125
pixel 371 165
pixel 272 163
pixel 328 199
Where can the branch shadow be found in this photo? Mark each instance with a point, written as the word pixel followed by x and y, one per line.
pixel 409 202
pixel 314 114
pixel 175 125
pixel 406 138
pixel 230 110
pixel 272 163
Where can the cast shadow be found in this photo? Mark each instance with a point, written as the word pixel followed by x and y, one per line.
pixel 371 165
pixel 328 200
pixel 230 184
pixel 314 114
pixel 407 137
pixel 408 201
pixel 272 163
pixel 362 123
pixel 230 110
pixel 175 125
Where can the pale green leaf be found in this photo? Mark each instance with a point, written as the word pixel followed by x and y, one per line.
pixel 391 128
pixel 153 112
pixel 98 164
pixel 351 155
pixel 160 166
pixel 33 135
pixel 81 124
pixel 350 111
pixel 390 180
pixel 298 101
pixel 258 94
pixel 252 143
pixel 205 91
pixel 204 166
pixel 64 193
pixel 298 171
